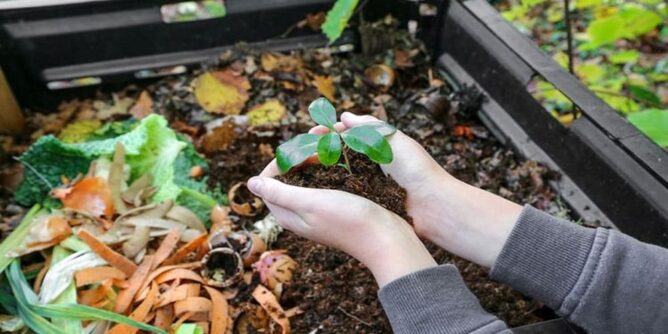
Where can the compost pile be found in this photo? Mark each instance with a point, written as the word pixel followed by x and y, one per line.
pixel 140 217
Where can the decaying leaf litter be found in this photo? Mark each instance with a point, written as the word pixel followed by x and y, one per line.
pixel 135 222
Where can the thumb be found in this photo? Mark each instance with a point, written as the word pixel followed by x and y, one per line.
pixel 349 119
pixel 277 192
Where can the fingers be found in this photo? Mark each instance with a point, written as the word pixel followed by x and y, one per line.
pixel 270 170
pixel 279 193
pixel 349 119
pixel 287 218
pixel 321 129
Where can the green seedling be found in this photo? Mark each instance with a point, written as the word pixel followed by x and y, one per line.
pixel 368 139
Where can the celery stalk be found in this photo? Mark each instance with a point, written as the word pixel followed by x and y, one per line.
pixel 69 296
pixel 15 239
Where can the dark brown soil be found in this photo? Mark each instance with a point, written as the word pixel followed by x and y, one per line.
pixel 366 179
pixel 336 292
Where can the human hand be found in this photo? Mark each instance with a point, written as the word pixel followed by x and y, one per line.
pixel 380 239
pixel 460 218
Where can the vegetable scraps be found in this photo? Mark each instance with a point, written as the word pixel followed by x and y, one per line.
pixel 152 150
pixel 123 246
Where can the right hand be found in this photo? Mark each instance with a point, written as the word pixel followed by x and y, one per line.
pixel 460 218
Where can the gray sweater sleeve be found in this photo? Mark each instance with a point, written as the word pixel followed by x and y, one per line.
pixel 599 279
pixel 602 280
pixel 436 301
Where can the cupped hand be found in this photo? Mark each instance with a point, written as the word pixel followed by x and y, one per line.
pixel 460 218
pixel 380 239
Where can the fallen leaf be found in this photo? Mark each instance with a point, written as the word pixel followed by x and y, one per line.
pixel 250 67
pixel 463 131
pixel 143 107
pixel 314 21
pixel 79 131
pixel 220 138
pixel 11 177
pixel 270 111
pixel 266 150
pixel 325 85
pixel 222 92
pixel 118 106
pixel 272 62
pixel 185 128
pixel 404 58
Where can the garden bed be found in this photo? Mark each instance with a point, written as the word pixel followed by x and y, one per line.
pixel 334 292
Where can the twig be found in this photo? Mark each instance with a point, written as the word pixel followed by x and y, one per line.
pixel 41 177
pixel 569 35
pixel 354 317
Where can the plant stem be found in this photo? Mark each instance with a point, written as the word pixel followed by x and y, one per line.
pixel 198 196
pixel 345 158
pixel 569 35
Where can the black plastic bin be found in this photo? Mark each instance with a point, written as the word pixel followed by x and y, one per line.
pixel 611 173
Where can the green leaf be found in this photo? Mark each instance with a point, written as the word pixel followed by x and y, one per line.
pixel 618 102
pixel 638 21
pixel 383 128
pixel 34 314
pixel 322 112
pixel 157 157
pixel 83 312
pixel 644 95
pixel 295 151
pixel 605 30
pixel 581 4
pixel 14 240
pixel 531 3
pixel 561 58
pixel 42 173
pixel 189 329
pixel 337 18
pixel 25 298
pixel 628 22
pixel 366 140
pixel 329 149
pixel 590 72
pixel 653 123
pixel 623 57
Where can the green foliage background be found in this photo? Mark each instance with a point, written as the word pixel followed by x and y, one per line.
pixel 621 54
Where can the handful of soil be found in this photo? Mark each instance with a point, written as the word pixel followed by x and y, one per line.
pixel 367 180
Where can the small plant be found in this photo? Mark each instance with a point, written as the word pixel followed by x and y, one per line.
pixel 368 139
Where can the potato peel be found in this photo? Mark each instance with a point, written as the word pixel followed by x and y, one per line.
pixel 270 304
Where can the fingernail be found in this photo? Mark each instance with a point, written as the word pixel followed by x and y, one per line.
pixel 346 114
pixel 255 185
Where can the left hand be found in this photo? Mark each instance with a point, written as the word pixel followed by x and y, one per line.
pixel 380 239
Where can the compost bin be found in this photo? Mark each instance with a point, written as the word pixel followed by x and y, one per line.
pixel 609 173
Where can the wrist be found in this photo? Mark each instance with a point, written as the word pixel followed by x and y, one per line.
pixel 397 252
pixel 470 222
